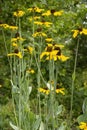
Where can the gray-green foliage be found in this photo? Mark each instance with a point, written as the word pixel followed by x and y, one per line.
pixel 74 17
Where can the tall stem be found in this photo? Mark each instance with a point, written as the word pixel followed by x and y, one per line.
pixel 6 48
pixel 19 81
pixel 51 77
pixel 73 80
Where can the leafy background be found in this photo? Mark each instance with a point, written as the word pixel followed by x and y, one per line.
pixel 75 16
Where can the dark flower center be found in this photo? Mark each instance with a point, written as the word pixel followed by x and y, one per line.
pixel 49 48
pixel 52 11
pixel 16 51
pixel 59 50
pixel 39 29
pixel 79 29
pixel 17 35
pixel 46 88
pixel 59 53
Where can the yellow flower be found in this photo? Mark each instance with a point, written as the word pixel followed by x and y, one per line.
pixel 30 49
pixel 19 54
pixel 58 13
pixel 48 13
pixel 4 26
pixel 17 39
pixel 19 13
pixel 53 51
pixel 83 126
pixel 38 23
pixel 49 39
pixel 39 34
pixel 79 31
pixel 35 9
pixel 44 90
pixel 49 88
pixel 14 44
pixel 34 18
pixel 60 90
pixel 50 53
pixel 39 10
pixel 47 24
pixel 13 28
pixel 31 9
pixel 30 71
pixel 55 13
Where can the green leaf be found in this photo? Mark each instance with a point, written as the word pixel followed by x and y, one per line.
pixel 63 126
pixel 29 89
pixel 59 109
pixel 84 107
pixel 82 118
pixel 14 127
pixel 41 126
pixel 15 89
pixel 36 124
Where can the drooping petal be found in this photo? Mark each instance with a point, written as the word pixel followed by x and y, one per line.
pixel 76 32
pixel 63 58
pixel 43 54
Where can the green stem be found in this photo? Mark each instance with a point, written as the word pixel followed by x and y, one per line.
pixel 73 80
pixel 51 77
pixel 19 69
pixel 40 70
pixel 38 81
pixel 6 47
pixel 20 94
pixel 13 103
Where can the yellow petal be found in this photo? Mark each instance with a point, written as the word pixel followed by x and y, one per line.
pixel 84 31
pixel 48 13
pixel 82 125
pixel 43 54
pixel 58 13
pixel 63 58
pixel 75 33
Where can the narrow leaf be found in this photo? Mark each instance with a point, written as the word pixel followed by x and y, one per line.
pixel 41 126
pixel 14 126
pixel 63 126
pixel 36 124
